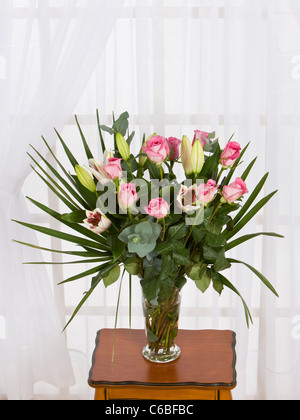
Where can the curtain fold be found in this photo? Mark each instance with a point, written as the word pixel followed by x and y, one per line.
pixel 48 64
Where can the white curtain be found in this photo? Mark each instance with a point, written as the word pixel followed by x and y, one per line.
pixel 176 66
pixel 45 66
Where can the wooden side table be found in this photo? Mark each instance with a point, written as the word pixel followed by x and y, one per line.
pixel 204 371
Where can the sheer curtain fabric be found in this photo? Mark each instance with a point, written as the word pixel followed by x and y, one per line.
pixel 45 65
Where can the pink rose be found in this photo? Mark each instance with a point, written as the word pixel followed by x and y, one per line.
pixel 157 149
pixel 97 221
pixel 207 191
pixel 202 136
pixel 230 154
pixel 113 169
pixel 127 195
pixel 157 208
pixel 188 199
pixel 235 190
pixel 174 145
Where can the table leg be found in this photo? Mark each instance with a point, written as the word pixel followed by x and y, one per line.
pixel 225 395
pixel 100 394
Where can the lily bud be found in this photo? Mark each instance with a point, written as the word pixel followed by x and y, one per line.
pixel 85 179
pixel 197 157
pixel 123 146
pixel 186 151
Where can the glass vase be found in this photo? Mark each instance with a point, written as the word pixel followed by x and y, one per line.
pixel 161 319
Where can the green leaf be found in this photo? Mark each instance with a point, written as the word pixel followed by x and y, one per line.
pixel 91 253
pixel 130 138
pixel 107 129
pixel 230 286
pixel 249 215
pixel 167 267
pixel 212 254
pixel 68 200
pixel 175 233
pixel 151 337
pixel 172 219
pixel 221 264
pixel 246 238
pixel 61 235
pixel 217 282
pixel 100 132
pixel 153 169
pixel 150 283
pixel 212 147
pixel 165 288
pixel 62 180
pixel 145 229
pixel 258 274
pixel 133 265
pixel 141 249
pixel 196 271
pixel 210 167
pixel 180 282
pixel 215 241
pixel 124 235
pixel 164 248
pixel 60 196
pixel 248 170
pixel 81 229
pixel 251 199
pixel 85 144
pixel 121 124
pixel 89 261
pixel 204 282
pixel 182 257
pixel 75 217
pixel 86 297
pixel 89 197
pixel 116 245
pixel 84 274
pixel 198 234
pixel 112 277
pixel 67 151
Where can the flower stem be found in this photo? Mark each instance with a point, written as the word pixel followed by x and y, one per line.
pixel 161 173
pixel 215 211
pixel 220 174
pixel 195 222
pixel 164 230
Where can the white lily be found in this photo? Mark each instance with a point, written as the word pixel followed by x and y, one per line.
pixel 97 168
pixel 97 221
pixel 188 199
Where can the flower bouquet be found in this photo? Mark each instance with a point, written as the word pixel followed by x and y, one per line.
pixel 133 214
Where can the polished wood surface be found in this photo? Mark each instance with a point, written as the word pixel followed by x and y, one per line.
pixel 205 369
